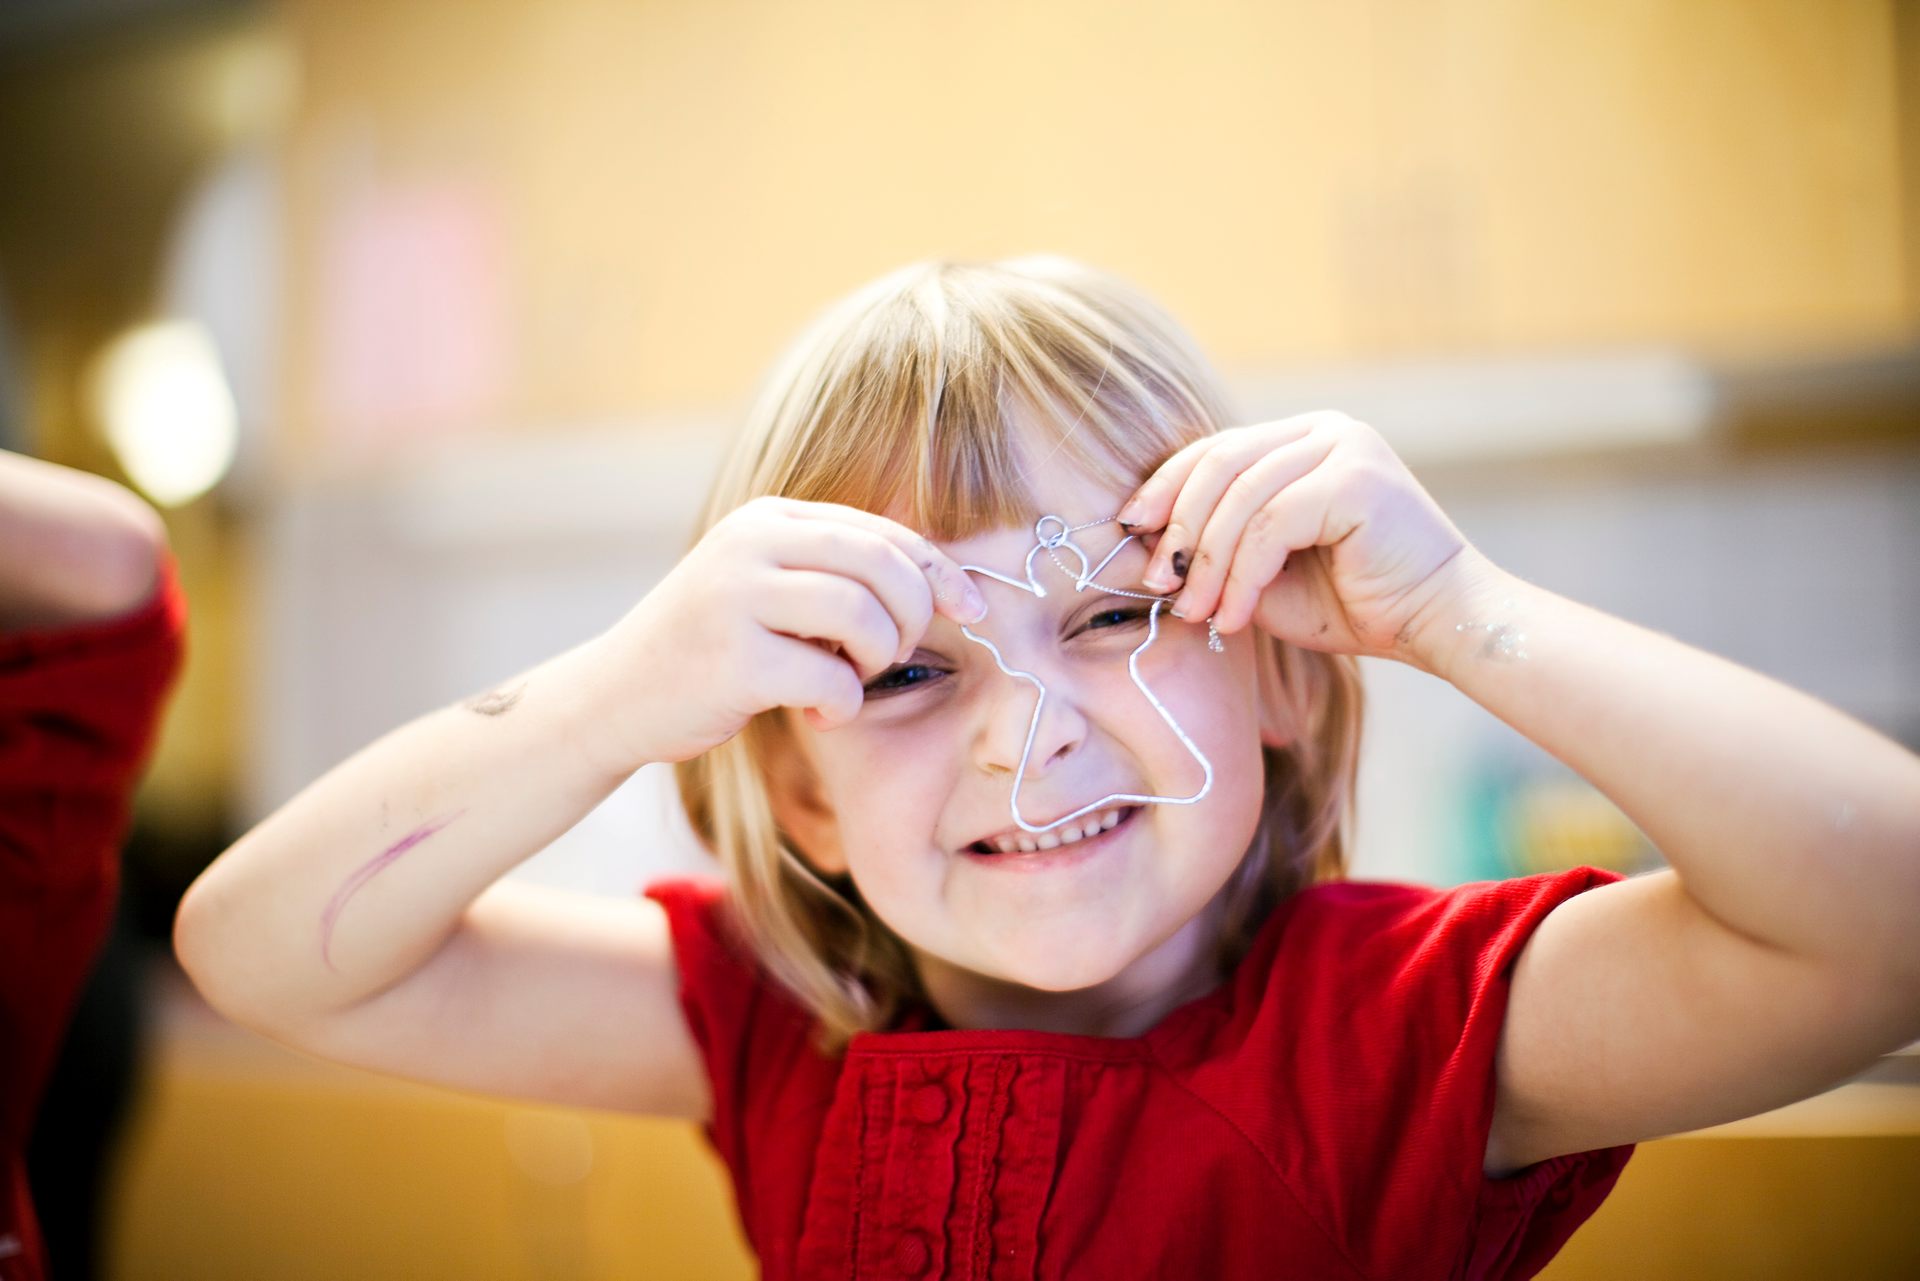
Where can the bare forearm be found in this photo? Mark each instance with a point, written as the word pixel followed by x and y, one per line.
pixel 1784 818
pixel 359 880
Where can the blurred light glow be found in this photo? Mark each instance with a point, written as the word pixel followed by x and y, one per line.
pixel 168 412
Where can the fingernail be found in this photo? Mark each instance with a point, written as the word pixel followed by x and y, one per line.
pixel 1162 579
pixel 1130 514
pixel 976 602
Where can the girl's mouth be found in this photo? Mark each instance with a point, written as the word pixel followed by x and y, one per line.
pixel 1063 854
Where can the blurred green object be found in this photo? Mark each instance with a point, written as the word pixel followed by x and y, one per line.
pixel 1521 811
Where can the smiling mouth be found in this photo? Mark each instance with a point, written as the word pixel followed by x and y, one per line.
pixel 1078 832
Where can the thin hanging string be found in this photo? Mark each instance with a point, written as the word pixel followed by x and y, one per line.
pixel 1092 399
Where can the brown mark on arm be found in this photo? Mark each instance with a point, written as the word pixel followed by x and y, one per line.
pixel 366 872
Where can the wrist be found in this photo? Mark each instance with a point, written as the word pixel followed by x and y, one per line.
pixel 585 712
pixel 1469 610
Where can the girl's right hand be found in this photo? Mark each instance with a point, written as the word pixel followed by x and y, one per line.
pixel 782 603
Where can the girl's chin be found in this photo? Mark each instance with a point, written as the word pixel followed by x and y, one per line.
pixel 1048 966
pixel 1054 968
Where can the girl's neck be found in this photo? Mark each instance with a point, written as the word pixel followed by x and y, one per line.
pixel 1180 970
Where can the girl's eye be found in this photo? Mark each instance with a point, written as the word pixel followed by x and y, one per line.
pixel 909 676
pixel 892 681
pixel 1121 616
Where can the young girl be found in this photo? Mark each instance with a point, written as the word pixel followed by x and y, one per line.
pixel 1033 956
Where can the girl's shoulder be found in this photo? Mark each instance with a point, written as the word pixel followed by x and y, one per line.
pixel 1377 959
pixel 1388 918
pixel 1358 1053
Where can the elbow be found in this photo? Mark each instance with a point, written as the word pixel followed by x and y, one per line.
pixel 197 949
pixel 230 955
pixel 189 935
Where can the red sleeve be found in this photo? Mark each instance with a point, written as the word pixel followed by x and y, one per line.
pixel 1409 1083
pixel 743 1022
pixel 79 707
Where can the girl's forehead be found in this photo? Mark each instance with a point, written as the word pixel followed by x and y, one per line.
pixel 1065 493
pixel 1102 551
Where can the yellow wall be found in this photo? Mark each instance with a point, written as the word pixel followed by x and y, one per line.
pixel 682 184
pixel 1906 59
pixel 677 186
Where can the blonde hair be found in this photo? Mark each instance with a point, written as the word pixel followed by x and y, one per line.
pixel 904 397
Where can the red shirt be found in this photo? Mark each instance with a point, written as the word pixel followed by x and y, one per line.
pixel 1322 1113
pixel 78 710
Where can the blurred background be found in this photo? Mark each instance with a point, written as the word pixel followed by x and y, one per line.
pixel 426 322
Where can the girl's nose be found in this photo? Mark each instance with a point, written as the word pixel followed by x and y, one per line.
pixel 1013 701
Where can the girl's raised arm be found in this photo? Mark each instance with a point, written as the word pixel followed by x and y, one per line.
pixel 362 920
pixel 352 922
pixel 1774 958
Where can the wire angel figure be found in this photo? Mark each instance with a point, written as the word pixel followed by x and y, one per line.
pixel 1053 535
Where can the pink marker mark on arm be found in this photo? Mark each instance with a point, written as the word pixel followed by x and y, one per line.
pixel 367 872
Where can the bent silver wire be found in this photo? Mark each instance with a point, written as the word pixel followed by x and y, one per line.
pixel 1051 535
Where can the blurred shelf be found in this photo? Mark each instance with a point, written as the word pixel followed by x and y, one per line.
pixel 1657 402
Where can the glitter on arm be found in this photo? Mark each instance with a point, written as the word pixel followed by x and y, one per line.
pixel 1504 640
pixel 365 873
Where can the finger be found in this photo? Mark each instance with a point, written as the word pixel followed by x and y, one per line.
pixel 1238 539
pixel 1294 519
pixel 1236 450
pixel 1168 565
pixel 875 563
pixel 1150 505
pixel 953 591
pixel 840 611
pixel 801 675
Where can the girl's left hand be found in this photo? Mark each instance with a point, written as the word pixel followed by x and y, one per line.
pixel 1369 558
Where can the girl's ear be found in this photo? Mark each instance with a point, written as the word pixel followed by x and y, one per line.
pixel 793 791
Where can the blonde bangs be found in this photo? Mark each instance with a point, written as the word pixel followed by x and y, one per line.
pixel 935 393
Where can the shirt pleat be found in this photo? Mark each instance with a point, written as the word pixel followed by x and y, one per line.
pixel 1035 1093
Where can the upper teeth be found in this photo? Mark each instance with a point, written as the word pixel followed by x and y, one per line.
pixel 1079 830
